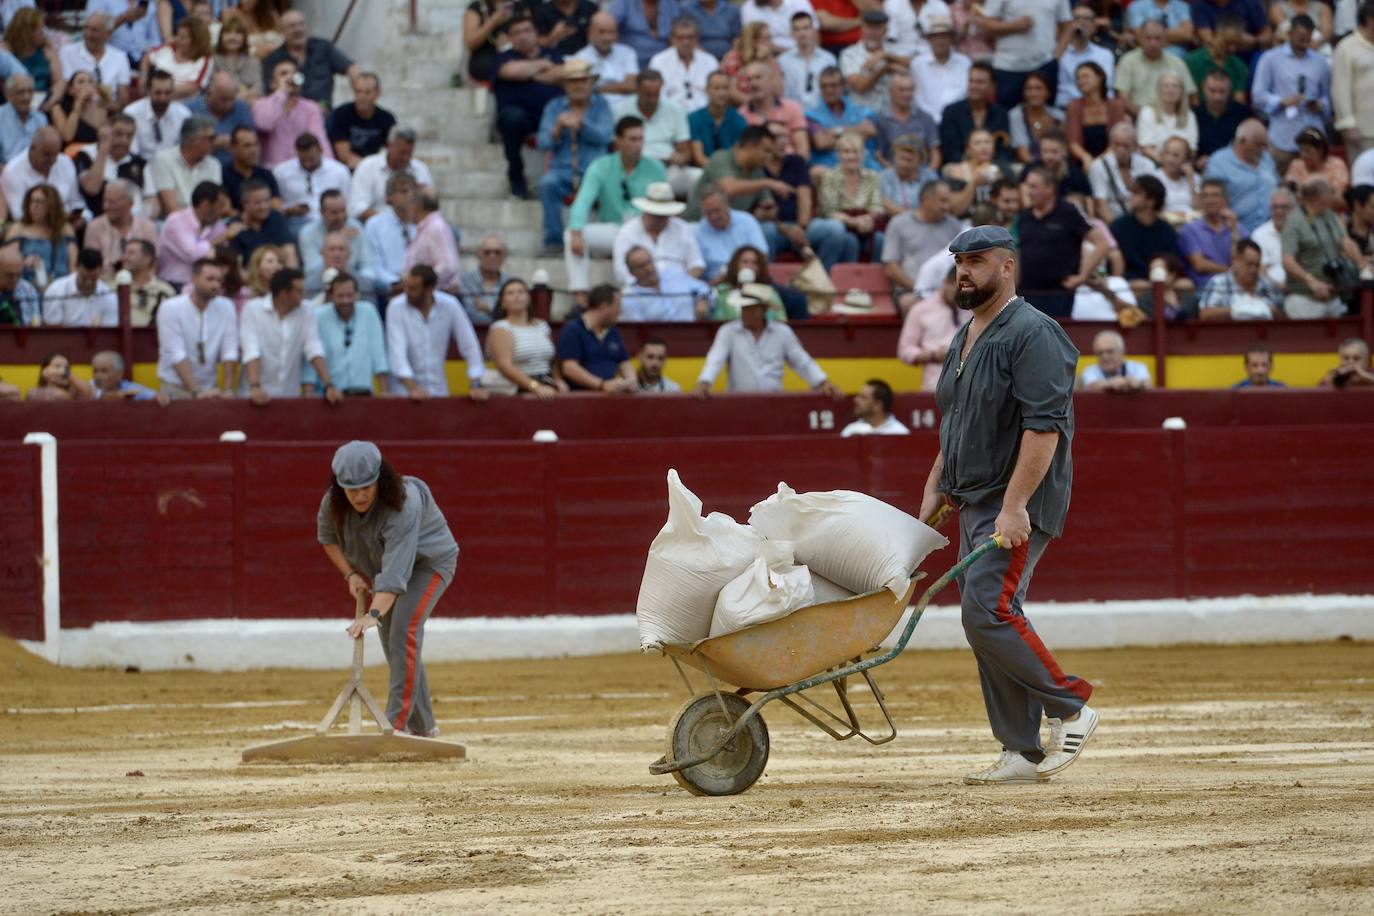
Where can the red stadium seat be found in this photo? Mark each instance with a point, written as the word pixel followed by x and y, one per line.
pixel 784 272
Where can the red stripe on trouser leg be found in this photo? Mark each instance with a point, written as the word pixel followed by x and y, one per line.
pixel 1010 583
pixel 415 619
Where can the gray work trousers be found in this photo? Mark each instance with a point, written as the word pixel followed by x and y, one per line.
pixel 402 631
pixel 1020 678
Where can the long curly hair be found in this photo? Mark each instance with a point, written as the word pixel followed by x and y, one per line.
pixel 391 492
pixel 54 222
pixel 25 32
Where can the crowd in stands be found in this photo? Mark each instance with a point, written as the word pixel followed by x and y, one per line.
pixel 1220 151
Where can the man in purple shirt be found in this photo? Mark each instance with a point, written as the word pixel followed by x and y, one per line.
pixel 1205 243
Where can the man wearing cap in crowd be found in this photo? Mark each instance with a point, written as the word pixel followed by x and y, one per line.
pixel 574 130
pixel 757 350
pixel 385 535
pixel 659 230
pixel 868 66
pixel 1006 401
pixel 940 72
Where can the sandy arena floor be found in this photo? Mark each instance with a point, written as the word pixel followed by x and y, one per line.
pixel 1230 780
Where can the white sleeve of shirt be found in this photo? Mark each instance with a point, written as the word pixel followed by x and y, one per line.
pixel 396 342
pixel 109 309
pixel 313 345
pixel 466 339
pixel 229 347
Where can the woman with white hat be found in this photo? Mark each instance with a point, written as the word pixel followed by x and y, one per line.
pixel 385 534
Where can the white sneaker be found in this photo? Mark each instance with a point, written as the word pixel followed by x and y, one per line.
pixel 1067 740
pixel 1010 767
pixel 432 733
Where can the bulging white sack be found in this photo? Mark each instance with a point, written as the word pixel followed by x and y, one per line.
pixel 858 542
pixel 772 587
pixel 690 561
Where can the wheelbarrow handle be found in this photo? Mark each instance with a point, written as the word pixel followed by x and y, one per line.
pixel 995 542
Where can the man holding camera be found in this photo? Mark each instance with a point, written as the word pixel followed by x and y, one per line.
pixel 1321 261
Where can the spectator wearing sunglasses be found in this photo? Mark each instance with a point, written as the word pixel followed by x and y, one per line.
pixel 685 67
pixel 351 334
pixel 802 66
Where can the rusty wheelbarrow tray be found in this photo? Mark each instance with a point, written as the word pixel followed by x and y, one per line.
pixel 718 742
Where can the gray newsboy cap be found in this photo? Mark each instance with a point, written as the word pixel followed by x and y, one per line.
pixel 981 238
pixel 357 464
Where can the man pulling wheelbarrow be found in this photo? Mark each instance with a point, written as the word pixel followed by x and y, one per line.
pixel 1006 402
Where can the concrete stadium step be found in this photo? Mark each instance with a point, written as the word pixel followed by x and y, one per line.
pixel 487 215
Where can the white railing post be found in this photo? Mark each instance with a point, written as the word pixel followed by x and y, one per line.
pixel 52 579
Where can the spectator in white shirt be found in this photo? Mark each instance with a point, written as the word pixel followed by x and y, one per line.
pixel 198 337
pixel 684 66
pixel 390 230
pixel 93 54
pixel 1113 372
pixel 159 116
pixel 802 66
pixel 1113 173
pixel 1268 235
pixel 777 14
pixel 277 337
pixel 941 74
pixel 305 179
pixel 756 351
pixel 419 324
pixel 909 29
pixel 658 230
pixel 177 171
pixel 367 192
pixel 1080 49
pixel 81 298
pixel 873 412
pixel 615 65
pixel 42 164
pixel 1025 34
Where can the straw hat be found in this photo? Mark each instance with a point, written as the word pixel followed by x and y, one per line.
pixel 658 200
pixel 576 70
pixel 855 302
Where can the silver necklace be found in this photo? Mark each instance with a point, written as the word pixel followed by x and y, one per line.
pixel 959 370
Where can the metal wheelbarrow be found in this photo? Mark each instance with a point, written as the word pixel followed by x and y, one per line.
pixel 718 742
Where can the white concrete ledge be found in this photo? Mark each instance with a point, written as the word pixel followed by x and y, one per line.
pixel 235 645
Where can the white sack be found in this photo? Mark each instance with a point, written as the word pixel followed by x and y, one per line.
pixel 690 561
pixel 858 542
pixel 772 587
pixel 827 591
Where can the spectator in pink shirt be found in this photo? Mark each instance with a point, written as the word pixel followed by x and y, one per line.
pixel 285 114
pixel 108 232
pixel 191 233
pixel 928 330
pixel 434 243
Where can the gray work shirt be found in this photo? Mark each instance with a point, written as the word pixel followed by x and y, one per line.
pixel 1018 376
pixel 387 546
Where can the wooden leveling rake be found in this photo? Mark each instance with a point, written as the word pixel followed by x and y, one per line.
pixel 385 745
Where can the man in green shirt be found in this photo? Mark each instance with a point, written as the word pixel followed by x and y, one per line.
pixel 1220 54
pixel 739 173
pixel 609 184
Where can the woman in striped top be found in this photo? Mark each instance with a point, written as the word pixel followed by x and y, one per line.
pixel 521 346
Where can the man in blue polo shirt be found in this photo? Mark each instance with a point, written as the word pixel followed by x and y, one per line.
pixel 590 350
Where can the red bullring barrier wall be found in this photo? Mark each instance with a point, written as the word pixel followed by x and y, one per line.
pixel 158 529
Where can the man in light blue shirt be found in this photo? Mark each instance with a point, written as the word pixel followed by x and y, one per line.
pixel 1175 15
pixel 1081 50
pixel 757 351
pixel 362 260
pixel 1248 170
pixel 18 120
pixel 1293 86
pixel 719 24
pixel 354 346
pixel 134 24
pixel 833 116
pixel 389 230
pixel 723 231
pixel 666 293
pixel 576 130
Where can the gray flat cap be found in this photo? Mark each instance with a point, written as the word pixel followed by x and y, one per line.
pixel 357 464
pixel 874 17
pixel 981 238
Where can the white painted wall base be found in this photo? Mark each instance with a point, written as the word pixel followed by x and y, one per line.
pixel 236 645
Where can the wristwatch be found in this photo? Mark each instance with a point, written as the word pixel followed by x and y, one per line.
pixel 375 614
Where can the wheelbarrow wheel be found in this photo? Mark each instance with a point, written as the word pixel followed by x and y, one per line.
pixel 698 725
